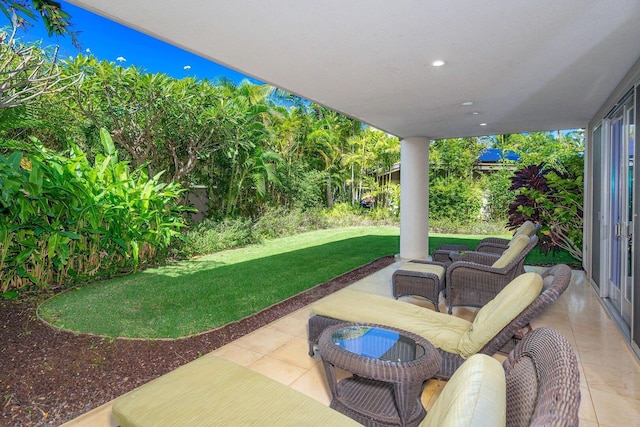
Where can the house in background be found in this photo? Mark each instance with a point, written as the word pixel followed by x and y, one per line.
pixel 424 70
pixel 490 160
pixel 493 159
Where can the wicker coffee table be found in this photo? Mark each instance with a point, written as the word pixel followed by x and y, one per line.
pixel 389 368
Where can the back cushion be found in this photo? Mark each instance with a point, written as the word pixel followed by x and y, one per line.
pixel 526 229
pixel 500 311
pixel 474 396
pixel 518 244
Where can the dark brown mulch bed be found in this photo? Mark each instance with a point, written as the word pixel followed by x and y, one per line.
pixel 49 377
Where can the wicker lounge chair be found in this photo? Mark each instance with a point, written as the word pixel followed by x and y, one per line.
pixel 355 306
pixel 476 277
pixel 494 245
pixel 539 379
pixel 543 383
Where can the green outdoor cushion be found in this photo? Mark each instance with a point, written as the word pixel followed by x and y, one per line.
pixel 436 269
pixel 212 391
pixel 517 246
pixel 498 312
pixel 442 330
pixel 474 396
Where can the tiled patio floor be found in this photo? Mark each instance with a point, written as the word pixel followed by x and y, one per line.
pixel 609 373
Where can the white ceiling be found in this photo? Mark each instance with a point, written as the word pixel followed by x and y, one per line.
pixel 526 65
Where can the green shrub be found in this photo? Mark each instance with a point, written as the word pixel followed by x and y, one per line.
pixel 211 236
pixel 498 196
pixel 280 222
pixel 64 219
pixel 455 198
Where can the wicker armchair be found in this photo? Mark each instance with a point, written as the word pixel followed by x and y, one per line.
pixel 475 277
pixel 537 385
pixel 494 245
pixel 555 281
pixel 543 383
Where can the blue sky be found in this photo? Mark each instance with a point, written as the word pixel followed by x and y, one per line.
pixel 108 40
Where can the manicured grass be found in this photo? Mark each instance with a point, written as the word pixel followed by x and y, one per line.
pixel 200 294
pixel 204 293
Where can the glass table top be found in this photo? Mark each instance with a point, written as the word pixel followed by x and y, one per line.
pixel 377 343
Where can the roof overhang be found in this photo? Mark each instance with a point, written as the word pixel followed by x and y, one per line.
pixel 525 66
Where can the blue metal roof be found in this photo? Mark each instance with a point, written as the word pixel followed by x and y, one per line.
pixel 494 155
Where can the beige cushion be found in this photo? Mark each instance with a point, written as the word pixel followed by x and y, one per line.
pixel 525 229
pixel 518 245
pixel 438 270
pixel 474 396
pixel 212 391
pixel 442 330
pixel 498 312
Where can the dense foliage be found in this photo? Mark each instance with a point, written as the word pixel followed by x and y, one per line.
pixel 63 217
pixel 552 196
pixel 272 164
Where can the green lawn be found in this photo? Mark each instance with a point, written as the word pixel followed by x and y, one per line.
pixel 204 293
pixel 200 294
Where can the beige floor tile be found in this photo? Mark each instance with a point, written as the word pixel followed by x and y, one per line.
pixel 587 411
pixel 263 341
pixel 295 352
pixel 313 383
pixel 609 358
pixel 613 380
pixel 431 390
pixel 289 326
pixel 277 369
pixel 303 314
pixel 98 417
pixel 613 410
pixel 240 355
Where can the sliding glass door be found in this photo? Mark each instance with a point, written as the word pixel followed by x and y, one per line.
pixel 621 166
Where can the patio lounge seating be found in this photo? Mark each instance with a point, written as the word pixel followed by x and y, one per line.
pixel 538 384
pixel 477 277
pixel 212 391
pixel 496 327
pixel 539 381
pixel 543 382
pixel 494 245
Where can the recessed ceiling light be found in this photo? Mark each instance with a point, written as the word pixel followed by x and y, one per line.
pixel 483 124
pixel 438 63
pixel 475 113
pixel 467 103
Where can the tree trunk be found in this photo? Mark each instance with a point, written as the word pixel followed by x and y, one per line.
pixel 329 192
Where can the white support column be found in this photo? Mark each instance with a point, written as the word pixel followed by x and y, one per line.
pixel 414 198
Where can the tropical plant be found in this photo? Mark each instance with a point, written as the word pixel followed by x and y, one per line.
pixel 21 13
pixel 66 219
pixel 552 196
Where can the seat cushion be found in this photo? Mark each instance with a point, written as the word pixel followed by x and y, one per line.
pixel 500 311
pixel 442 330
pixel 474 396
pixel 419 267
pixel 212 391
pixel 518 244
